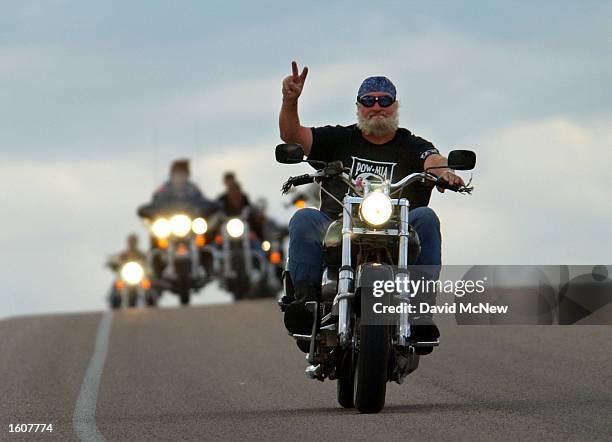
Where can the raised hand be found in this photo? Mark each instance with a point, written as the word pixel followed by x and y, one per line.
pixel 294 83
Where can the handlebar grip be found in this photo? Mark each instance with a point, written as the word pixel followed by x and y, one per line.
pixel 443 184
pixel 301 179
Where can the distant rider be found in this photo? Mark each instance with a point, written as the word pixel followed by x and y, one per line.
pixel 233 200
pixel 177 188
pixel 131 253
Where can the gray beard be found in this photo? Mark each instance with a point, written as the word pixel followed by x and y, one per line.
pixel 378 126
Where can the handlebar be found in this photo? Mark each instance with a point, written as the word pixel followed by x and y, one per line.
pixel 302 179
pixel 425 176
pixel 298 181
pixel 413 177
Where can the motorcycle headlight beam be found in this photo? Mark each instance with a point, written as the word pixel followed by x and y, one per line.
pixel 376 208
pixel 132 273
pixel 199 226
pixel 180 225
pixel 161 228
pixel 235 228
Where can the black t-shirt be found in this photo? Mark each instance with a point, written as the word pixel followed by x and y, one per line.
pixel 403 155
pixel 223 200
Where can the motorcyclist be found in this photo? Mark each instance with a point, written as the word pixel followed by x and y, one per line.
pixel 179 187
pixel 233 200
pixel 375 145
pixel 131 253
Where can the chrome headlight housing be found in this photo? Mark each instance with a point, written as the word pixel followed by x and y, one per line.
pixel 180 225
pixel 376 208
pixel 161 228
pixel 235 228
pixel 132 273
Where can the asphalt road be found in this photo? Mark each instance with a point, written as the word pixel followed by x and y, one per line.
pixel 229 372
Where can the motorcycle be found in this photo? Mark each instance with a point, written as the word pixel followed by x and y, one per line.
pixel 178 247
pixel 372 236
pixel 131 284
pixel 240 260
pixel 273 247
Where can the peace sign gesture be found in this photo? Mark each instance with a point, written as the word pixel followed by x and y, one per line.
pixel 294 83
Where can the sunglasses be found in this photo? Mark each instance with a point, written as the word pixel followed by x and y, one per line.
pixel 369 100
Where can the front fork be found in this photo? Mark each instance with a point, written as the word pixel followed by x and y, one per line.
pixel 346 276
pixel 196 266
pixel 247 253
pixel 345 280
pixel 403 329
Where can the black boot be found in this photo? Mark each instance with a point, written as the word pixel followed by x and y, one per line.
pixel 422 326
pixel 424 329
pixel 298 320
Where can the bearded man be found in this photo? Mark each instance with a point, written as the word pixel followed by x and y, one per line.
pixel 376 145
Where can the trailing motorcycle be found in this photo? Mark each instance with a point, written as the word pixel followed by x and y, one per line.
pixel 241 260
pixel 178 251
pixel 131 284
pixel 371 240
pixel 273 246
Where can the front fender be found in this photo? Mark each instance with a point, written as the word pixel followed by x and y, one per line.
pixel 370 292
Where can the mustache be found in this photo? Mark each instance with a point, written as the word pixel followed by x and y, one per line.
pixel 378 114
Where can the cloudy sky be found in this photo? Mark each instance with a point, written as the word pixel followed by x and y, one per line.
pixel 98 97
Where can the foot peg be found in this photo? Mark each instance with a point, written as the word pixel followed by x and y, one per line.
pixel 424 348
pixel 427 344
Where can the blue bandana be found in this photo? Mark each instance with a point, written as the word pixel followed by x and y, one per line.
pixel 376 84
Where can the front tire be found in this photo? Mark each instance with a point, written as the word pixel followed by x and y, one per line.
pixel 371 372
pixel 240 285
pixel 115 302
pixel 185 298
pixel 345 386
pixel 132 299
pixel 151 299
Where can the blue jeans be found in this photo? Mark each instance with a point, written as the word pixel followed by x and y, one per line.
pixel 308 226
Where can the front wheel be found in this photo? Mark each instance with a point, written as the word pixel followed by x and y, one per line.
pixel 132 299
pixel 345 387
pixel 151 299
pixel 240 285
pixel 185 297
pixel 371 371
pixel 115 302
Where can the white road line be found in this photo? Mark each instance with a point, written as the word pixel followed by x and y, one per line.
pixel 84 418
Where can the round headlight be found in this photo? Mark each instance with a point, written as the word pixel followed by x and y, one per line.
pixel 376 208
pixel 265 246
pixel 180 225
pixel 161 228
pixel 199 226
pixel 132 273
pixel 235 228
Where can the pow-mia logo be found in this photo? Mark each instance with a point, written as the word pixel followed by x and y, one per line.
pixel 362 169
